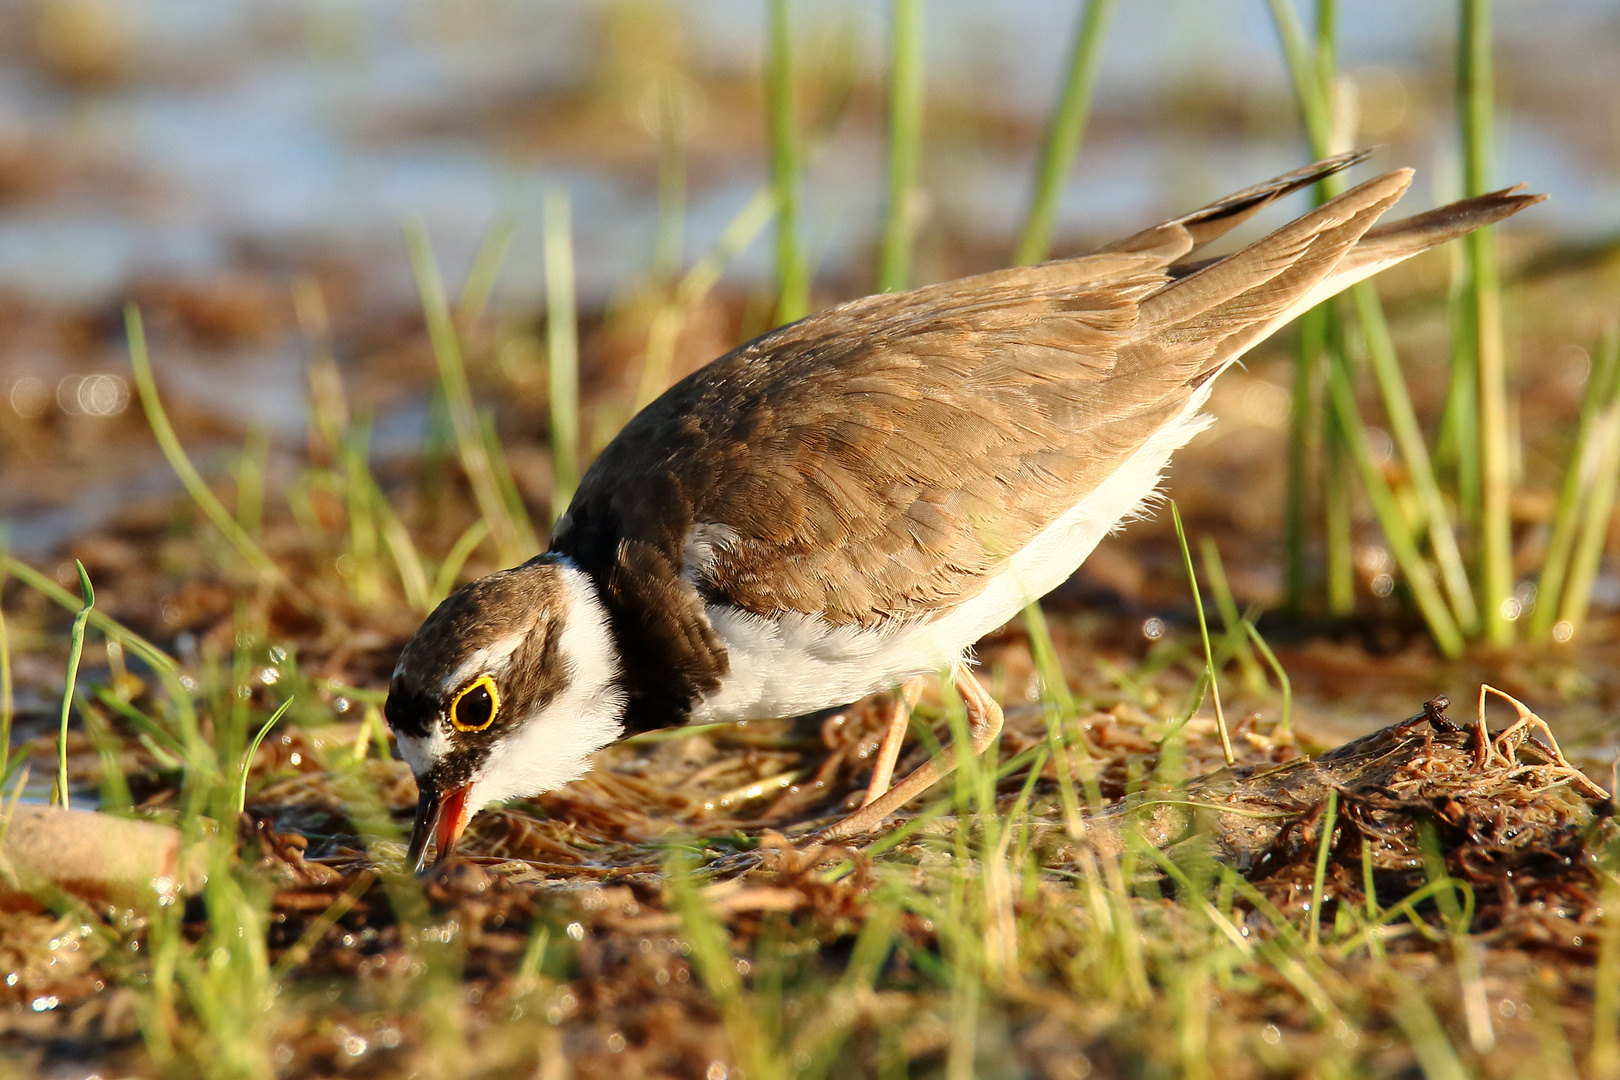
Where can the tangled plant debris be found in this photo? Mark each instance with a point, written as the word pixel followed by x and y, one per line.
pixel 673 910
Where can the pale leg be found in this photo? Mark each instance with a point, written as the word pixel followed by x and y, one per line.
pixel 984 725
pixel 889 752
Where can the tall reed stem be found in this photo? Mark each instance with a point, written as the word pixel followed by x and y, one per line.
pixel 1482 307
pixel 1065 132
pixel 670 240
pixel 1408 437
pixel 562 351
pixel 1312 431
pixel 1334 136
pixel 1595 515
pixel 1311 73
pixel 905 143
pixel 1579 477
pixel 782 117
pixel 1396 530
pixel 1304 423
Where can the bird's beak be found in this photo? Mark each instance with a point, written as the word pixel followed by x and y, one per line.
pixel 441 816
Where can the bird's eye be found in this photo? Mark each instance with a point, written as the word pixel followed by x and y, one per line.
pixel 475 707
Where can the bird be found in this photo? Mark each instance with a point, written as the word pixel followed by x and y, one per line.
pixel 846 504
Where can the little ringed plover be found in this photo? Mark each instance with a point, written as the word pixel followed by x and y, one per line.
pixel 849 502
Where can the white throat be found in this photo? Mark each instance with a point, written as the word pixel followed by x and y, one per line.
pixel 554 745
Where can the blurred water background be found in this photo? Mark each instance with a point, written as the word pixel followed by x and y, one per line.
pixel 222 148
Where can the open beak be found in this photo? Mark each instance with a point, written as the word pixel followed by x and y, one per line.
pixel 443 817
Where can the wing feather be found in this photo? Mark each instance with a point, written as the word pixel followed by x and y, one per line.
pixel 884 458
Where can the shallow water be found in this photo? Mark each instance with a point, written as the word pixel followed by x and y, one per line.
pixel 210 138
pixel 325 125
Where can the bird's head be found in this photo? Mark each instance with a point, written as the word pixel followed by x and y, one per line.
pixel 506 690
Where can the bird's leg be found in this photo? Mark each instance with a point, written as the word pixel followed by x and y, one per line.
pixel 889 751
pixel 984 725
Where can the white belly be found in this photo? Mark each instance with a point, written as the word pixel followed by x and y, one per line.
pixel 801 663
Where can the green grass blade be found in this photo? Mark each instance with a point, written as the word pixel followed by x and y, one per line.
pixel 782 118
pixel 1304 428
pixel 1408 438
pixel 318 927
pixel 1442 625
pixel 486 267
pixel 327 406
pixel 1459 918
pixel 872 946
pixel 250 471
pixel 1203 631
pixel 1338 516
pixel 514 542
pixel 1578 477
pixel 695 285
pixel 1226 604
pixel 505 482
pixel 1594 530
pixel 253 749
pixel 533 962
pixel 366 580
pixel 161 661
pixel 8 702
pixel 1287 721
pixel 562 351
pixel 413 580
pixel 1330 821
pixel 741 231
pixel 115 794
pixel 1308 428
pixel 1312 79
pixel 1482 309
pixel 1604 1059
pixel 1422 1028
pixel 905 143
pixel 670 234
pixel 460 552
pixel 75 649
pixel 711 957
pixel 169 442
pixel 157 735
pixel 1308 78
pixel 1065 132
pixel 1055 689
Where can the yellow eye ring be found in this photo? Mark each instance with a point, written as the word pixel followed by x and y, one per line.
pixel 476 706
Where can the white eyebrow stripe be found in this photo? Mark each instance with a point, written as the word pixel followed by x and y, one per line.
pixel 492 659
